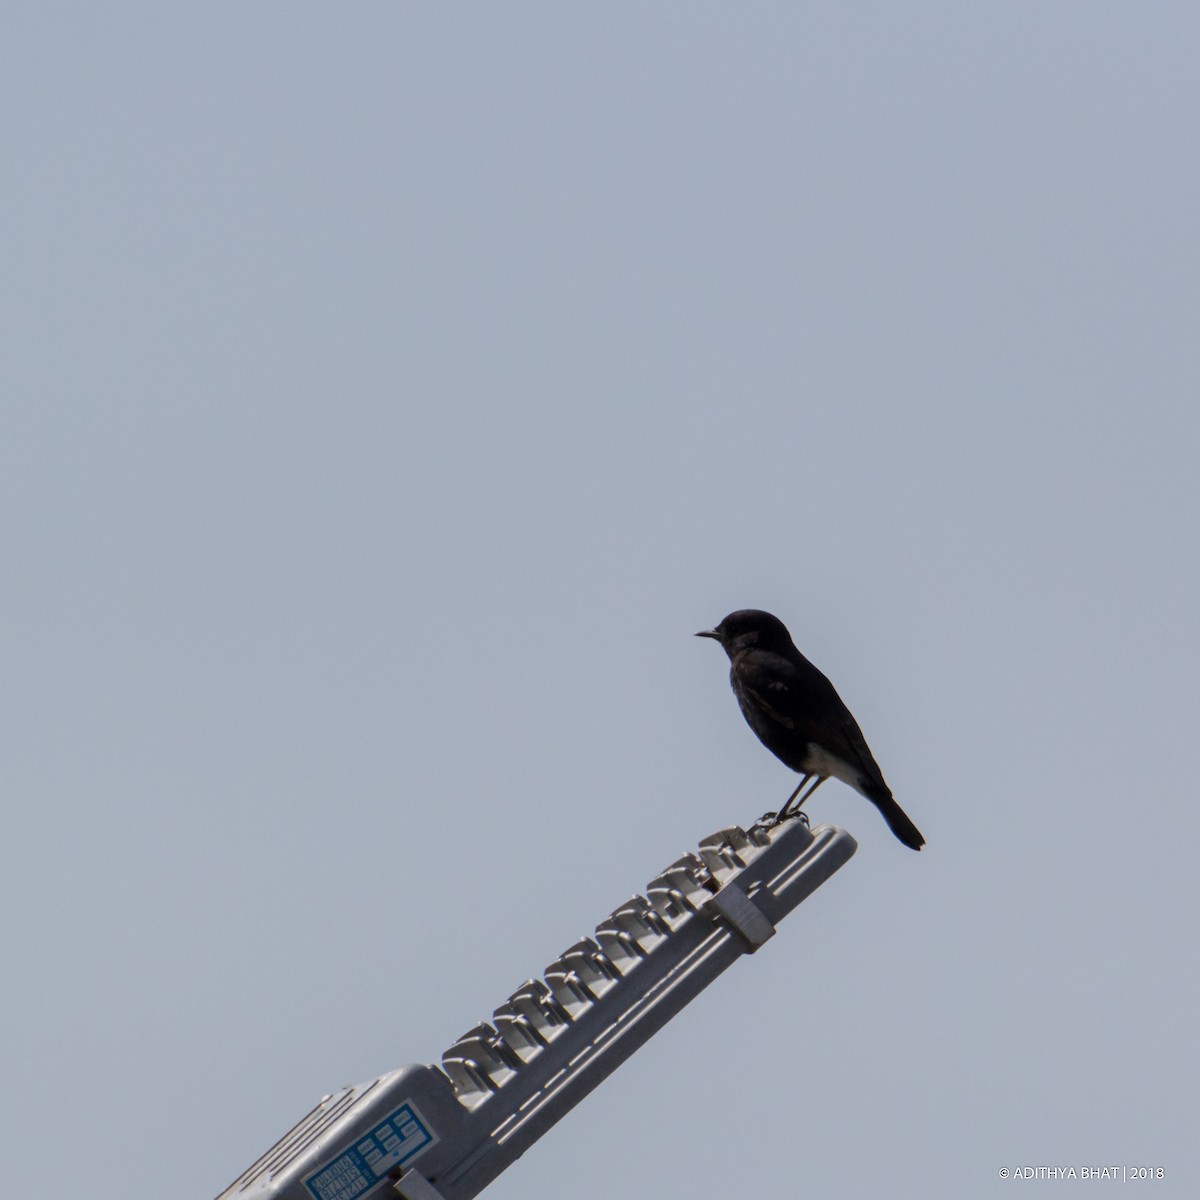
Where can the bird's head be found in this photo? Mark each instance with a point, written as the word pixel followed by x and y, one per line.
pixel 750 628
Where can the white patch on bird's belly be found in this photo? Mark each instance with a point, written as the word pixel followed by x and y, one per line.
pixel 820 762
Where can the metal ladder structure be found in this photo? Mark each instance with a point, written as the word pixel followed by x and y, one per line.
pixel 429 1133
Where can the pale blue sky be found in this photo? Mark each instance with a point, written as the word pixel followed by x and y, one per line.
pixel 389 394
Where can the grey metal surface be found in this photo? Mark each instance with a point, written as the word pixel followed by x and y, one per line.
pixel 506 1081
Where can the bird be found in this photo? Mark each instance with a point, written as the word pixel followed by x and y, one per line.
pixel 798 715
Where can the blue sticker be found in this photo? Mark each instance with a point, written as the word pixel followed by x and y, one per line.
pixel 396 1139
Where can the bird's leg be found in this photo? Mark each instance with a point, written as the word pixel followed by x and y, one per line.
pixel 808 795
pixel 783 812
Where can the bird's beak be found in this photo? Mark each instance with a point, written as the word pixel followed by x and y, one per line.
pixel 712 633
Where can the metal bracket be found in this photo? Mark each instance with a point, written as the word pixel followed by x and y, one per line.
pixel 412 1185
pixel 743 914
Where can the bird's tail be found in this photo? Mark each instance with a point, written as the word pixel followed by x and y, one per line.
pixel 897 820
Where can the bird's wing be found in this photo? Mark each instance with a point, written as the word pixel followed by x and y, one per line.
pixel 771 688
pixel 855 745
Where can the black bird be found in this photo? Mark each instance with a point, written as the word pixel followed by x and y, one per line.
pixel 799 716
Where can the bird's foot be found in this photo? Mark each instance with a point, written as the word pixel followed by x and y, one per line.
pixel 771 819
